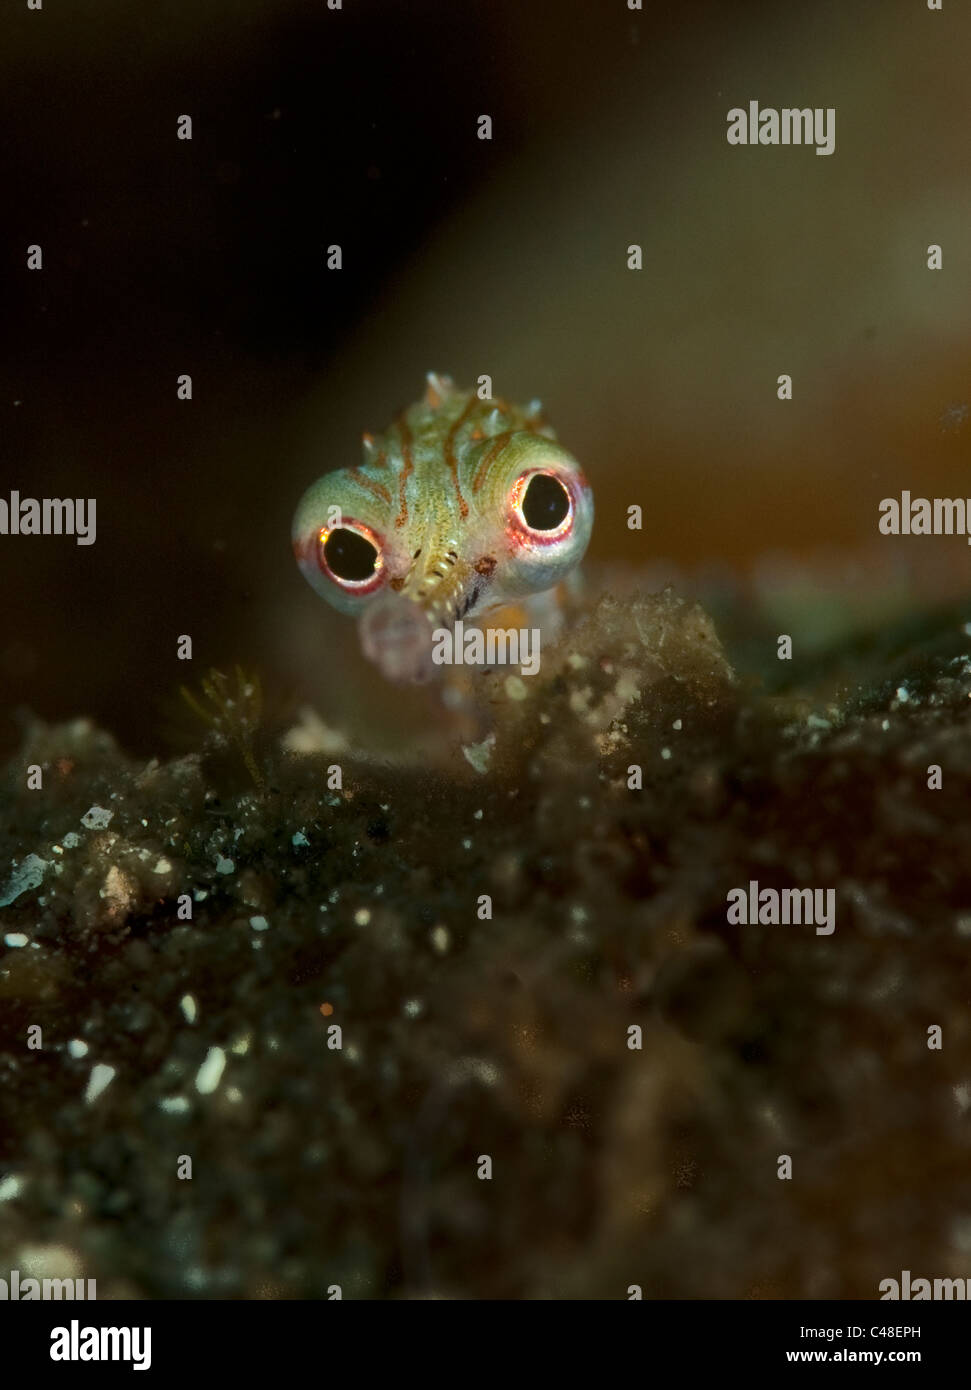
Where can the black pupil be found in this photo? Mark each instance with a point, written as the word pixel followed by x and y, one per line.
pixel 546 502
pixel 349 555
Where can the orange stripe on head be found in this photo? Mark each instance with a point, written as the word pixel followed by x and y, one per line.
pixel 486 462
pixel 451 460
pixel 406 472
pixel 375 489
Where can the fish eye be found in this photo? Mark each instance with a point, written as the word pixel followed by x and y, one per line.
pixel 351 556
pixel 542 503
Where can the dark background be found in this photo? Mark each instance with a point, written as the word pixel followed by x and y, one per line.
pixel 358 127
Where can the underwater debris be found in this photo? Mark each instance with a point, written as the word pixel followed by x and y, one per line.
pixel 26 875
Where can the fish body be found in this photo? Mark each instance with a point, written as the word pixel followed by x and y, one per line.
pixel 462 504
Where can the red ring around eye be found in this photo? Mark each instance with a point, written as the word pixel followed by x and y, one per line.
pixel 530 533
pixel 358 587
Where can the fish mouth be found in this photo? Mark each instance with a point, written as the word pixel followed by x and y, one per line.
pixel 468 603
pixel 397 631
pixel 397 636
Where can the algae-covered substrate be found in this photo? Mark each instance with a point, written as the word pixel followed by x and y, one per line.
pixel 394 973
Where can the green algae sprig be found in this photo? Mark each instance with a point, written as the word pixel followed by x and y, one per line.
pixel 234 713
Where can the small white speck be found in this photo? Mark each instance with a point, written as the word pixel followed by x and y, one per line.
pixel 10 1186
pixel 100 1079
pixel 173 1105
pixel 885 725
pixel 665 753
pixel 224 866
pixel 441 940
pixel 28 874
pixel 466 844
pixel 201 894
pixel 299 840
pixel 413 1008
pixel 57 849
pixel 15 939
pixel 77 1047
pixel 96 818
pixel 676 724
pixel 234 1094
pixel 241 1046
pixel 259 924
pixel 210 1073
pixel 190 1010
pixel 479 1068
pixel 478 754
pixel 477 815
pixel 162 866
pixel 362 916
pixel 71 840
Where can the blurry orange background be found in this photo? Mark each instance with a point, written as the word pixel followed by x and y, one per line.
pixel 508 257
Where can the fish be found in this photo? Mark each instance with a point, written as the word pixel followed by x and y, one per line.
pixel 465 503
